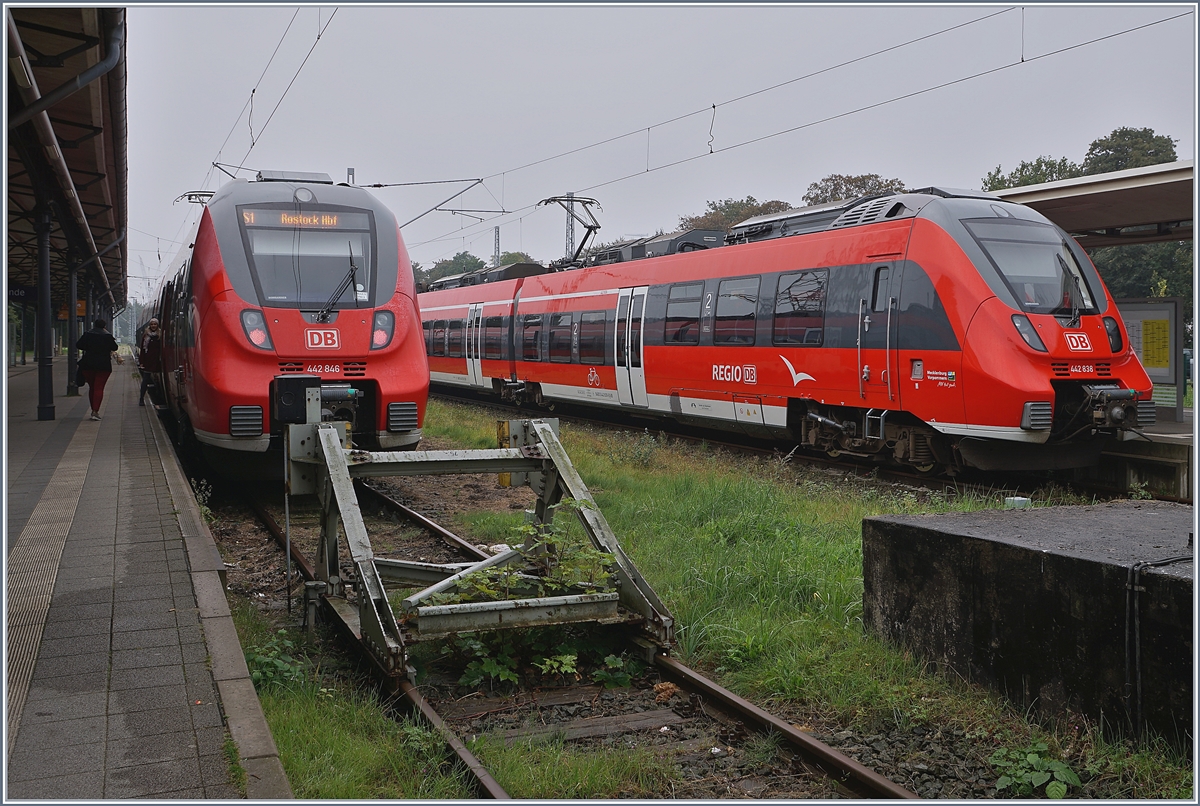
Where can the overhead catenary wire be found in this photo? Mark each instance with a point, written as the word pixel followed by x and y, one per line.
pixel 1023 60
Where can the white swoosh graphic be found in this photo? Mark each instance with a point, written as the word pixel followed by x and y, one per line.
pixel 797 376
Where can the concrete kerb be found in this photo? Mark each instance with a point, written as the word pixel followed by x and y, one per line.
pixel 265 777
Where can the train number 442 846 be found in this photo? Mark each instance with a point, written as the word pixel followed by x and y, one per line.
pixel 316 369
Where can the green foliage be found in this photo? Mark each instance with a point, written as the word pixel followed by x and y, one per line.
pixel 639 450
pixel 836 187
pixel 459 264
pixel 1128 148
pixel 1148 270
pixel 553 562
pixel 203 492
pixel 273 664
pixel 1025 771
pixel 1042 169
pixel 561 665
pixel 613 673
pixel 721 215
pixel 237 773
pixel 515 257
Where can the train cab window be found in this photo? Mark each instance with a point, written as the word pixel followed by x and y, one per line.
pixel 1036 263
pixel 800 308
pixel 737 302
pixel 683 314
pixel 492 329
pixel 531 338
pixel 300 258
pixel 880 295
pixel 454 338
pixel 560 338
pixel 439 338
pixel 591 338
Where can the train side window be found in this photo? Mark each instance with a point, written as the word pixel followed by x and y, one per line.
pixel 427 334
pixel 737 301
pixel 800 308
pixel 591 337
pixel 560 338
pixel 683 314
pixel 531 337
pixel 492 329
pixel 635 331
pixel 880 295
pixel 454 338
pixel 439 337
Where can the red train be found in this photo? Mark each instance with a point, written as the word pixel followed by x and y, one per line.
pixel 936 328
pixel 291 274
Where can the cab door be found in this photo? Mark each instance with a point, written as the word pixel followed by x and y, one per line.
pixel 879 358
pixel 631 375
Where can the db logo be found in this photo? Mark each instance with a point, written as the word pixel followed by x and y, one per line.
pixel 322 339
pixel 1078 342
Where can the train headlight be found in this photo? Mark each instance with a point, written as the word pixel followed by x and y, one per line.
pixel 256 329
pixel 382 329
pixel 1114 334
pixel 1028 332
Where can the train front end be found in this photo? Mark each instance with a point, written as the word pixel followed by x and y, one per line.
pixel 1048 371
pixel 304 277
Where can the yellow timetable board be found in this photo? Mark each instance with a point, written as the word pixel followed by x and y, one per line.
pixel 1156 343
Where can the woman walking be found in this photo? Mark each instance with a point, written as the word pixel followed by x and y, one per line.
pixel 98 346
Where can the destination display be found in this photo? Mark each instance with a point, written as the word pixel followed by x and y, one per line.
pixel 314 219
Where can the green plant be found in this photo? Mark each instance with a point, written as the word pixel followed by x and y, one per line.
pixel 613 673
pixel 1025 771
pixel 272 663
pixel 237 773
pixel 203 491
pixel 561 665
pixel 492 659
pixel 1138 491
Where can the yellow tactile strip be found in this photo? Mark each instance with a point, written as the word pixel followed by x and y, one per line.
pixel 33 567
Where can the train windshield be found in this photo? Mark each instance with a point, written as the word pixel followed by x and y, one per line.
pixel 301 258
pixel 1036 263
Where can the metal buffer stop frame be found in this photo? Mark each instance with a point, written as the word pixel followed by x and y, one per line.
pixel 320 460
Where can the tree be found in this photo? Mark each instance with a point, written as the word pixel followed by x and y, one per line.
pixel 721 215
pixel 515 257
pixel 1148 270
pixel 1042 169
pixel 1128 148
pixel 459 264
pixel 836 187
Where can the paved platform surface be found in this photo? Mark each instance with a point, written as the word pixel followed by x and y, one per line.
pixel 125 676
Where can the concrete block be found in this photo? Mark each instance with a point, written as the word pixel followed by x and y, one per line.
pixel 1034 603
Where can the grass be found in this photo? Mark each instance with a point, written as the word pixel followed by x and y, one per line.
pixel 760 563
pixel 337 742
pixel 555 770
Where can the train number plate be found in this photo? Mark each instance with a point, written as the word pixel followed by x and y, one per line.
pixel 1082 369
pixel 323 369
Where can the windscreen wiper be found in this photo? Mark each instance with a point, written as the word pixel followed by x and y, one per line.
pixel 323 314
pixel 1076 293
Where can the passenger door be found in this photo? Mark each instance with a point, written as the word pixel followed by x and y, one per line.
pixel 631 376
pixel 879 360
pixel 473 346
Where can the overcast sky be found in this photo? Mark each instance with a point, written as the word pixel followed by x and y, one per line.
pixel 437 93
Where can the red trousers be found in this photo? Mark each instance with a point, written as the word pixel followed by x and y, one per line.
pixel 95 381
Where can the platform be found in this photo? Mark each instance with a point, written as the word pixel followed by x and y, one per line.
pixel 1161 464
pixel 125 676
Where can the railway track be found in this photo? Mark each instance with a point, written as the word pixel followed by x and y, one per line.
pixel 684 704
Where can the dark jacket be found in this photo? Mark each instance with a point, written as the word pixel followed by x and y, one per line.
pixel 150 353
pixel 97 347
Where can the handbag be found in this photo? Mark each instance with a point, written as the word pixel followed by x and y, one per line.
pixel 79 379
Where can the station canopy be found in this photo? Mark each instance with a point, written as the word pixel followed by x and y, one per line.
pixel 1140 205
pixel 70 155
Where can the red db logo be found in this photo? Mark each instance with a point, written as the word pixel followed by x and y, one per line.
pixel 322 339
pixel 1078 342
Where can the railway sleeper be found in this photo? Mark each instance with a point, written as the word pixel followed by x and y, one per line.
pixel 321 461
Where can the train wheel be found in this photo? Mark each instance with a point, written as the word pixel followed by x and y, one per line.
pixel 925 469
pixel 833 453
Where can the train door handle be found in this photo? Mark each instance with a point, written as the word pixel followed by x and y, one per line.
pixel 178 373
pixel 866 373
